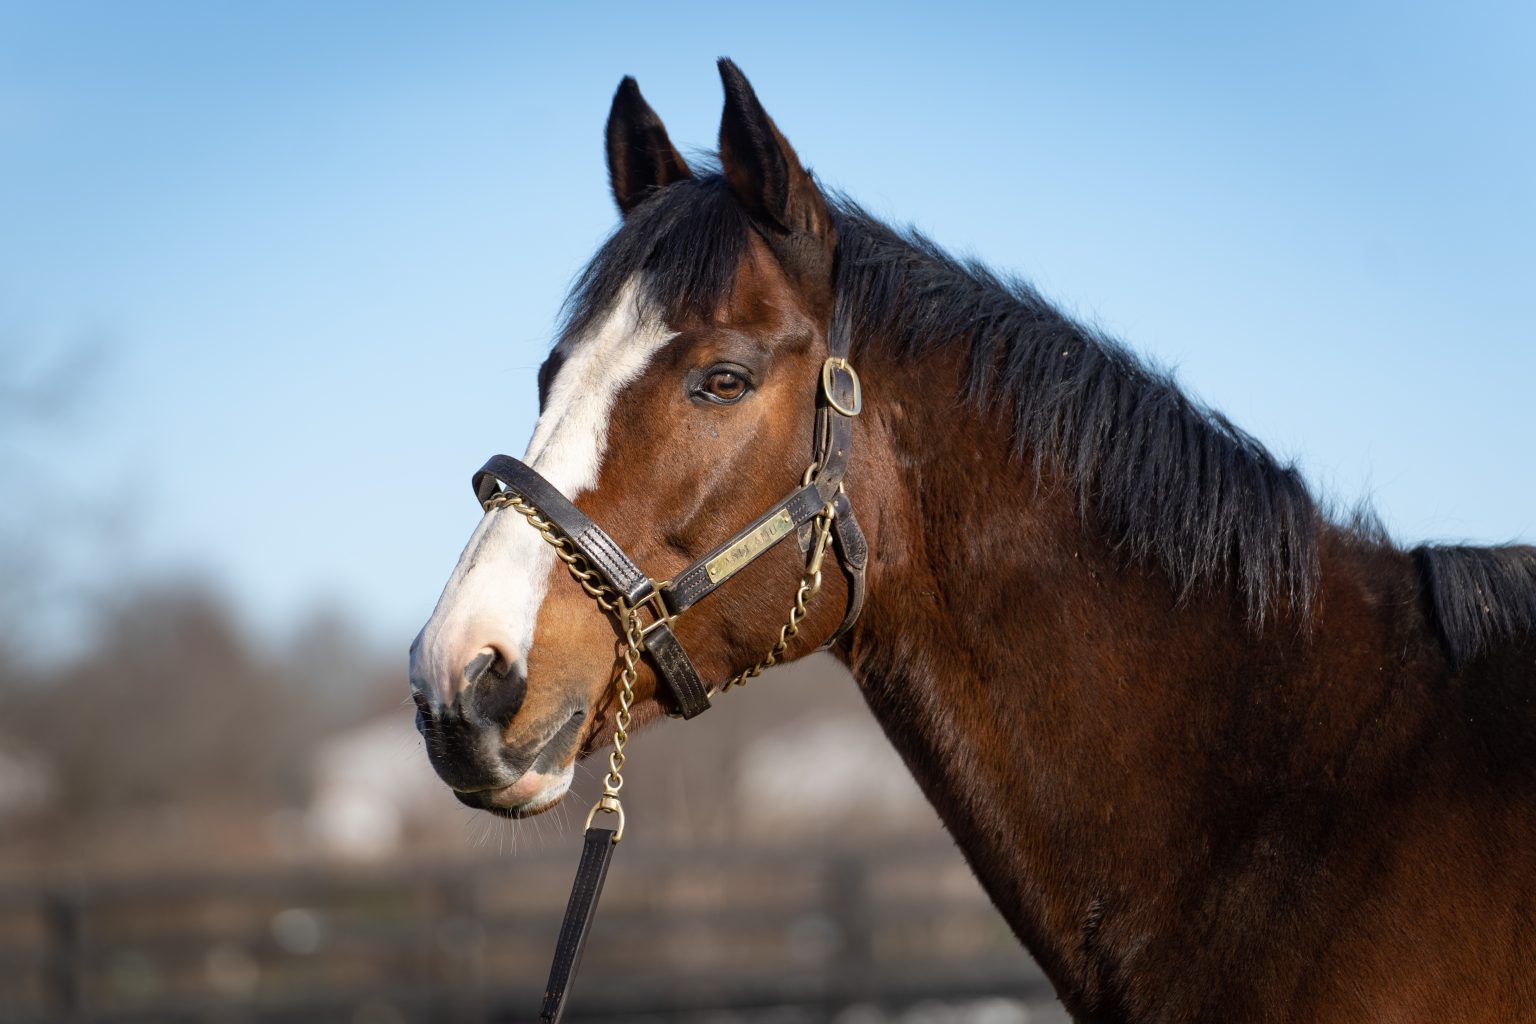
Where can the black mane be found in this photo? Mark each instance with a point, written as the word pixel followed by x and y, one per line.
pixel 1479 594
pixel 1169 480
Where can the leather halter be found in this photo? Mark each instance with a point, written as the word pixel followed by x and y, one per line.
pixel 839 399
pixel 505 480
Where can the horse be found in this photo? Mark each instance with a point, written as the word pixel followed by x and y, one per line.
pixel 1215 752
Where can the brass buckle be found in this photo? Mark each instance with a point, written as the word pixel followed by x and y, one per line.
pixel 832 364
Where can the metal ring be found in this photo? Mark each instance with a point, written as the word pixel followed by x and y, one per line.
pixel 610 804
pixel 827 388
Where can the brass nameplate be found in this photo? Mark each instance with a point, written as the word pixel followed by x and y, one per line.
pixel 724 565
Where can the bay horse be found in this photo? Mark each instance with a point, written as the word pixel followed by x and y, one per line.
pixel 1215 754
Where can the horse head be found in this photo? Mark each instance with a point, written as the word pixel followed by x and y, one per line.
pixel 680 399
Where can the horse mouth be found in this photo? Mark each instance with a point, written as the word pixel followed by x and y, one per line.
pixel 542 785
pixel 534 793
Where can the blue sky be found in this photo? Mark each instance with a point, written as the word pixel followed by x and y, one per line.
pixel 307 257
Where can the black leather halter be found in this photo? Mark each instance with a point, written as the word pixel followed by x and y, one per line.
pixel 504 480
pixel 839 398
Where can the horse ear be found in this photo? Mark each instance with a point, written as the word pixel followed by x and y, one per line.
pixel 640 156
pixel 766 176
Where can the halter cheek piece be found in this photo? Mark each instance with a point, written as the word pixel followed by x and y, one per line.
pixel 620 588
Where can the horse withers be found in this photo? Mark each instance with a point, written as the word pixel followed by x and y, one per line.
pixel 1214 755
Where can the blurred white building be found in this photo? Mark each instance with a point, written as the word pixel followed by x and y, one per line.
pixel 372 787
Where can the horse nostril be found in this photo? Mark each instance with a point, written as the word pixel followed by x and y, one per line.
pixel 479 666
pixel 496 695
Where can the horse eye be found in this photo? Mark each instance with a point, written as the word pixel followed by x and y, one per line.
pixel 724 386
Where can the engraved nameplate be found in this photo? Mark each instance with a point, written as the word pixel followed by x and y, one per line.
pixel 724 565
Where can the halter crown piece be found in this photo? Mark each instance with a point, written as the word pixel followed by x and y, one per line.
pixel 620 588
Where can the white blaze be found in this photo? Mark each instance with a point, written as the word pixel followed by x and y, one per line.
pixel 493 597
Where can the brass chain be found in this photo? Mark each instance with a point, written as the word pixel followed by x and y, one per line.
pixel 610 600
pixel 581 571
pixel 810 586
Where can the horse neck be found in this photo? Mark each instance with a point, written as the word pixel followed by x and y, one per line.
pixel 1079 729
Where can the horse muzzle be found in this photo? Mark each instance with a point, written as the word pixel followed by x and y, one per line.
pixel 492 760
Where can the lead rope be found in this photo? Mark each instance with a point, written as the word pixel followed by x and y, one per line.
pixel 598 843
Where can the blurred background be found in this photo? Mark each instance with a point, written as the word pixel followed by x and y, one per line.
pixel 275 278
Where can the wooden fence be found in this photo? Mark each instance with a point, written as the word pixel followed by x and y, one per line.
pixel 680 932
